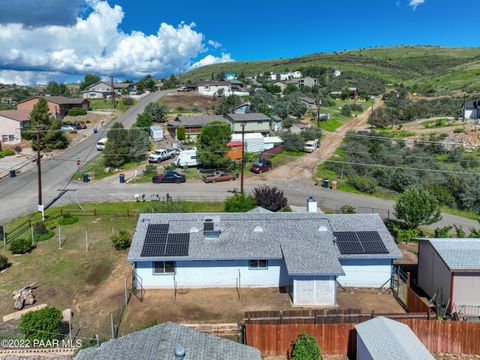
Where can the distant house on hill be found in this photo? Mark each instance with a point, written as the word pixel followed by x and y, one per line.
pixel 471 109
pixel 242 108
pixel 58 106
pixel 306 81
pixel 214 87
pixel 311 103
pixel 193 124
pixel 353 93
pixel 103 90
pixel 230 76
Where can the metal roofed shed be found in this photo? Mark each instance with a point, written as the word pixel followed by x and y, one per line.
pixel 260 249
pixel 163 342
pixel 382 339
pixel 449 271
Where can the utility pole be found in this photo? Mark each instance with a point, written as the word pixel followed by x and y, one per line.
pixel 112 84
pixel 242 169
pixel 39 173
pixel 464 103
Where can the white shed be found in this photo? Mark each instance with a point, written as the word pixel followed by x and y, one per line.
pixel 254 142
pixel 156 132
pixel 382 339
pixel 271 141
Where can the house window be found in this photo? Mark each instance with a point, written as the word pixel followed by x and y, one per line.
pixel 258 264
pixel 4 138
pixel 260 122
pixel 207 87
pixel 164 267
pixel 11 138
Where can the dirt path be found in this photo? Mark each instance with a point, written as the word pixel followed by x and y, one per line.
pixel 304 168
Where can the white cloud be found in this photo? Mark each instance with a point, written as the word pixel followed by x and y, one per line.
pixel 96 44
pixel 27 77
pixel 214 44
pixel 210 59
pixel 415 3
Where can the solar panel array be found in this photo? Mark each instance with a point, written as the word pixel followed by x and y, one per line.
pixel 360 242
pixel 158 242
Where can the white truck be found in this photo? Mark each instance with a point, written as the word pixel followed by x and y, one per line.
pixel 160 155
pixel 311 146
pixel 187 158
pixel 101 144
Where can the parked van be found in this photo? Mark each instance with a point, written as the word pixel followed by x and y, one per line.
pixel 101 144
pixel 187 158
pixel 311 146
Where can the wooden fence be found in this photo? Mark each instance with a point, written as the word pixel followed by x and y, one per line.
pixel 415 303
pixel 341 339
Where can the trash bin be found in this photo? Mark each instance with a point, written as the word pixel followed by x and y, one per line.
pixel 95 130
pixel 122 178
pixel 13 173
pixel 325 183
pixel 86 178
pixel 334 185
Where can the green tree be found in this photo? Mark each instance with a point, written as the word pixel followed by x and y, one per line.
pixel 157 110
pixel 122 240
pixel 348 209
pixel 305 348
pixel 139 144
pixel 55 89
pixel 43 325
pixel 228 105
pixel 269 197
pixel 416 207
pixel 146 83
pixel 239 203
pixel 181 133
pixel 471 197
pixel 144 121
pixel 117 150
pixel 89 80
pixel 292 142
pixel 290 89
pixel 212 144
pixel 50 135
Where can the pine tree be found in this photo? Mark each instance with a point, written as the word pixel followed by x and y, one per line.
pixel 139 144
pixel 117 149
pixel 50 135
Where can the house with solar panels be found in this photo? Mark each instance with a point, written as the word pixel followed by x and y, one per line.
pixel 307 253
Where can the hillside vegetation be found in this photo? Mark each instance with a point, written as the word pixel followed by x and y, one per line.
pixel 444 68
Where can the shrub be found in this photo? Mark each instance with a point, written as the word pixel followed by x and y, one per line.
pixel 40 228
pixel 181 133
pixel 150 169
pixel 3 262
pixel 348 209
pixel 239 203
pixel 305 348
pixel 20 246
pixel 122 240
pixel 269 197
pixel 292 142
pixel 364 184
pixel 43 325
pixel 42 236
pixel 404 235
pixel 346 111
pixel 128 101
pixel 68 220
pixel 459 130
pixel 77 112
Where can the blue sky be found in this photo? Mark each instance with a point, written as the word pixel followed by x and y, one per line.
pixel 64 39
pixel 265 29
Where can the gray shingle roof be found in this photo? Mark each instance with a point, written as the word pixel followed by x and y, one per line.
pixel 388 339
pixel 304 240
pixel 159 342
pixel 247 117
pixel 197 120
pixel 458 254
pixel 214 83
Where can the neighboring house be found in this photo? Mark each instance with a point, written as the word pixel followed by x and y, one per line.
pixel 235 150
pixel 471 109
pixel 276 122
pixel 214 88
pixel 230 76
pixel 353 93
pixel 281 85
pixel 382 338
pixel 307 81
pixel 251 76
pixel 336 94
pixel 237 85
pixel 307 253
pixel 103 90
pixel 12 122
pixel 311 103
pixel 58 106
pixel 254 142
pixel 273 76
pixel 254 122
pixel 193 124
pixel 169 341
pixel 449 272
pixel 270 142
pixel 242 108
pixel 290 75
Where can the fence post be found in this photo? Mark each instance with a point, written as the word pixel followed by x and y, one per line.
pixel 112 325
pixel 33 238
pixel 59 237
pixel 126 293
pixel 97 339
pixel 86 240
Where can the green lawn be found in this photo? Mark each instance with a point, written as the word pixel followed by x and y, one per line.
pixel 107 105
pixel 96 168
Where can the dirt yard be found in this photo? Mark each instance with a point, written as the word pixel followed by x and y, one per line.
pixel 368 300
pixel 190 101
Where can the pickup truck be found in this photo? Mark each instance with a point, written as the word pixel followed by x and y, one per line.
pixel 311 146
pixel 160 155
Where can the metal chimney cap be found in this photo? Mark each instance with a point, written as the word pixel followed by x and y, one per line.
pixel 311 199
pixel 179 352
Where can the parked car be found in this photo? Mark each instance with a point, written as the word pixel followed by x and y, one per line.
pixel 311 146
pixel 261 166
pixel 218 176
pixel 169 177
pixel 101 144
pixel 79 126
pixel 160 155
pixel 68 128
pixel 183 89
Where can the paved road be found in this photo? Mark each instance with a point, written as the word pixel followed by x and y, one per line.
pixel 19 195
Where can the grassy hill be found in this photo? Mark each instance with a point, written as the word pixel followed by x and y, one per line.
pixel 445 68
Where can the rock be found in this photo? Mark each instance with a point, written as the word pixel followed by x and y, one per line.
pixel 107 170
pixel 24 296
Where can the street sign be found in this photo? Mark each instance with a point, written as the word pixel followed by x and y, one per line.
pixel 78 161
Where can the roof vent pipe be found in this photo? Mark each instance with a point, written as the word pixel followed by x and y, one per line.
pixel 311 205
pixel 179 352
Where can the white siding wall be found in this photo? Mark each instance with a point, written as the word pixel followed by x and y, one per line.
pixel 203 274
pixel 213 90
pixel 471 114
pixel 466 289
pixel 433 274
pixel 365 273
pixel 362 351
pixel 314 290
pixel 9 127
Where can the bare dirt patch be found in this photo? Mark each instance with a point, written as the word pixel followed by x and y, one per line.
pixel 190 101
pixel 368 300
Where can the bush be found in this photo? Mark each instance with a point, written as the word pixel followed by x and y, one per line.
pixel 20 246
pixel 239 203
pixel 269 197
pixel 68 220
pixel 181 133
pixel 346 111
pixel 305 348
pixel 7 152
pixel 122 240
pixel 43 325
pixel 150 169
pixel 128 101
pixel 3 262
pixel 42 236
pixel 348 209
pixel 364 184
pixel 404 235
pixel 292 142
pixel 77 112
